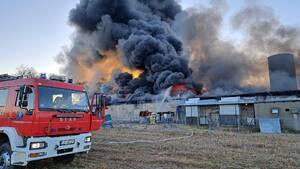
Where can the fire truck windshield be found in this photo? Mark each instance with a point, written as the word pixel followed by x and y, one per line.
pixel 62 100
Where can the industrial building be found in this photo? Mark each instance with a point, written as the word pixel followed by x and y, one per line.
pixel 230 110
pixel 282 103
pixel 243 110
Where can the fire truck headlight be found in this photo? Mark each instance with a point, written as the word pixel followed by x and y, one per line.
pixel 38 145
pixel 88 139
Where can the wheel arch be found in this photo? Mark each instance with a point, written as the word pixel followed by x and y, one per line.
pixel 3 138
pixel 10 135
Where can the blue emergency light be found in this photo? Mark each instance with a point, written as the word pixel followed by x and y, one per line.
pixel 43 76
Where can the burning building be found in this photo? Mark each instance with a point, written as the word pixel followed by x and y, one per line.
pixel 181 90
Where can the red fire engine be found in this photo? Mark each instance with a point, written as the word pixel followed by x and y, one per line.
pixel 42 118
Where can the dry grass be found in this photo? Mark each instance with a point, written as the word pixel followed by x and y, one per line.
pixel 218 150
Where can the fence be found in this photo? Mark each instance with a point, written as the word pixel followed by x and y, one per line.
pixel 242 122
pixel 214 121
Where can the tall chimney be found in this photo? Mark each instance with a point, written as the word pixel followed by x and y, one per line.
pixel 282 72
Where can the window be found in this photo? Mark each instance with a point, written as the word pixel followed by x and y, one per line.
pixel 30 100
pixel 59 99
pixel 191 111
pixel 294 110
pixel 3 97
pixel 188 111
pixel 274 110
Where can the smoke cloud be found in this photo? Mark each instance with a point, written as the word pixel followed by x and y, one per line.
pixel 216 63
pixel 225 67
pixel 139 34
pixel 138 48
pixel 265 34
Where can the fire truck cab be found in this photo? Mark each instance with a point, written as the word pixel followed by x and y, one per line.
pixel 42 118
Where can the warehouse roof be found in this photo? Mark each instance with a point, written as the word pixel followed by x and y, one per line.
pixel 263 97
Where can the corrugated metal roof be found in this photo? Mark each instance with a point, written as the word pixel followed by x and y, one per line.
pixel 240 100
pixel 265 93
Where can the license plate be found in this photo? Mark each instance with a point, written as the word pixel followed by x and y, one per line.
pixel 67 142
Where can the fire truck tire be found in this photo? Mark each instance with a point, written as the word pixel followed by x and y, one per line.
pixel 66 159
pixel 5 157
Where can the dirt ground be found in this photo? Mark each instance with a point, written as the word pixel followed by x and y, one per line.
pixel 220 149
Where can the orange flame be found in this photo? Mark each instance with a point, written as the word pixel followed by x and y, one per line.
pixel 103 70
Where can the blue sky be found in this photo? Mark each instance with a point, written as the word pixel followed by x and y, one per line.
pixel 32 32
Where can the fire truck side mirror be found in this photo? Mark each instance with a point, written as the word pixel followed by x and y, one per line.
pixel 23 96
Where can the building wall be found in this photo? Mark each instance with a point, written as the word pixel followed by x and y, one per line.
pixel 192 115
pixel 229 115
pixel 289 119
pixel 198 115
pixel 224 115
pixel 124 113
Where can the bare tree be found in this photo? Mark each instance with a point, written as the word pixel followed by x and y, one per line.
pixel 26 71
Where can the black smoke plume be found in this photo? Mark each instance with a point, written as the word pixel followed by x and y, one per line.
pixel 170 45
pixel 140 32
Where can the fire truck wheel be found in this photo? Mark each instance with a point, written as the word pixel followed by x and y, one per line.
pixel 5 157
pixel 66 159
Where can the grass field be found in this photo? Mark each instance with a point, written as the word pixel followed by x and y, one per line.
pixel 220 149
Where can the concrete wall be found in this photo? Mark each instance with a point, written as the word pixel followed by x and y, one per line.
pixel 288 118
pixel 125 113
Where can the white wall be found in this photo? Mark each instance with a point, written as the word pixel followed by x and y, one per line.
pixel 191 111
pixel 229 110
